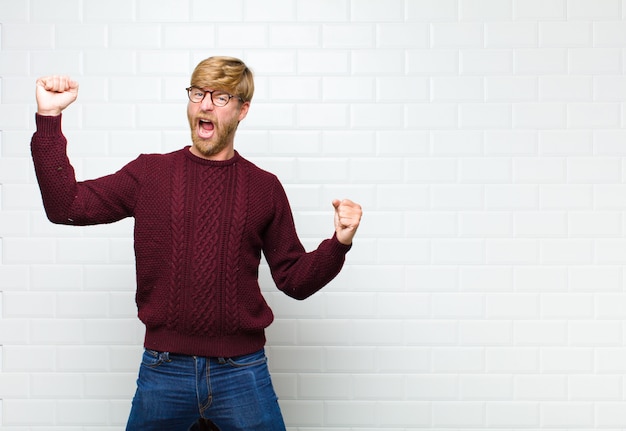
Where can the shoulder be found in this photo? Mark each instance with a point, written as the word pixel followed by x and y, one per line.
pixel 160 158
pixel 257 173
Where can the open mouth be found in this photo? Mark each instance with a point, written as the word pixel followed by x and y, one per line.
pixel 205 128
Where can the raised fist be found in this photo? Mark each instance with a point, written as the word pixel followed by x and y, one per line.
pixel 54 94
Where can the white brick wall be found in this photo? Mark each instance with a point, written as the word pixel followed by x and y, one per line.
pixel 484 138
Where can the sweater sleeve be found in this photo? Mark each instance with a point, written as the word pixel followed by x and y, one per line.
pixel 298 273
pixel 67 201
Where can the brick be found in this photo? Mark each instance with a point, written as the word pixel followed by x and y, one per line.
pixel 373 332
pixel 595 388
pixel 511 197
pixel 485 170
pixel 144 36
pixel 376 11
pixel 357 89
pixel 479 387
pixel 377 62
pixel 566 88
pixel 459 35
pixel 486 279
pixel 431 224
pixel 464 305
pixel 516 414
pixel 484 10
pixel 547 61
pixel 273 10
pixel 453 252
pixel 324 386
pixel 28 412
pixel 593 279
pixel 487 62
pixel 608 33
pixel 566 142
pixel 561 360
pixel 512 360
pixel 541 224
pixel 479 333
pixel 398 414
pixel 566 414
pixel 539 116
pixel 593 169
pixel 597 333
pixel 602 9
pixel 512 306
pixel 540 279
pixel 610 414
pixel 565 34
pixel 432 387
pixel 433 333
pixel 432 62
pixel 348 36
pixel 462 89
pixel 294 36
pixel 350 413
pixel 540 10
pixel 454 414
pixel 431 116
pixel 510 143
pixel 594 60
pixel 378 387
pixel 540 333
pixel 607 142
pixel 508 34
pixel 81 36
pixel 402 35
pixel 323 11
pixel 505 88
pixel 432 10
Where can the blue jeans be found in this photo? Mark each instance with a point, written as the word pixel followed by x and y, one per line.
pixel 174 391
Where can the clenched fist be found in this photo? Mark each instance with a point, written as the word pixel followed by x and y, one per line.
pixel 347 218
pixel 54 94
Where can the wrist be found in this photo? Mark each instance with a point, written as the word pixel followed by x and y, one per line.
pixel 49 112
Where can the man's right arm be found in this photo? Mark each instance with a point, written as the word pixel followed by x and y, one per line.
pixel 67 201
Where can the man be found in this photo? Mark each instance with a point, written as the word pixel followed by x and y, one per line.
pixel 203 216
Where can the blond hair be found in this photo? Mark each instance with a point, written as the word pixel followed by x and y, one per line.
pixel 224 73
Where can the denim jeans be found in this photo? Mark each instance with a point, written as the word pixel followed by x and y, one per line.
pixel 174 391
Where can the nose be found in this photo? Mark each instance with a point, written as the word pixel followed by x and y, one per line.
pixel 207 103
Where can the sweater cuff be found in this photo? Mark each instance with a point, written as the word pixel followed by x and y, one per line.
pixel 48 125
pixel 338 247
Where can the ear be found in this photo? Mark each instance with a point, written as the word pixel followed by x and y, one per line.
pixel 243 110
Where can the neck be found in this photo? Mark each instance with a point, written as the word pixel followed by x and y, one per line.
pixel 223 155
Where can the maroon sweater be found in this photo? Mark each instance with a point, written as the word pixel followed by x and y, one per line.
pixel 200 228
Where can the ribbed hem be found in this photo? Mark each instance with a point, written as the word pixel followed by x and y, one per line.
pixel 166 340
pixel 48 125
pixel 338 248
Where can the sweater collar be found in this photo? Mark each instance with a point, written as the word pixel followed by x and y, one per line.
pixel 215 163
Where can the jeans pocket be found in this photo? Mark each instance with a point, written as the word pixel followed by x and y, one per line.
pixel 251 360
pixel 151 358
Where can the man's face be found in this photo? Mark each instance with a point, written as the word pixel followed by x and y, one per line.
pixel 213 127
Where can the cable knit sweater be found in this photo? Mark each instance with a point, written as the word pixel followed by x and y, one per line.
pixel 200 228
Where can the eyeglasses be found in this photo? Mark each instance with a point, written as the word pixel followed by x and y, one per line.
pixel 218 98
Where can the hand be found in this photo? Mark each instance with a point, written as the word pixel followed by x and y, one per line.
pixel 347 218
pixel 54 94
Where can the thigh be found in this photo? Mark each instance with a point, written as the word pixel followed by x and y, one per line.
pixel 243 395
pixel 165 396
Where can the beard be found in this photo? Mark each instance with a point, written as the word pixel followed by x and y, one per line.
pixel 223 136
